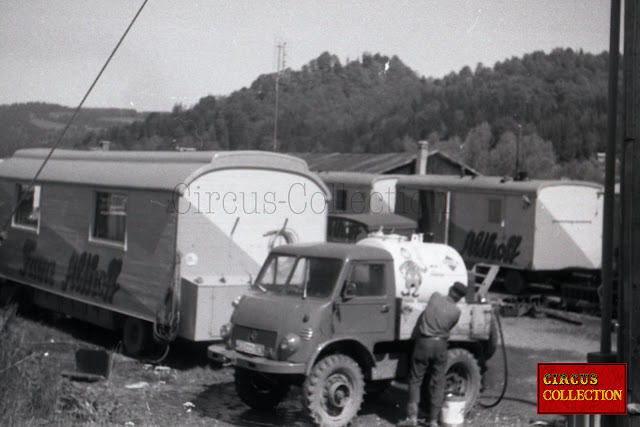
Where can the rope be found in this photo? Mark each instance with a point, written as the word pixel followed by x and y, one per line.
pixel 75 113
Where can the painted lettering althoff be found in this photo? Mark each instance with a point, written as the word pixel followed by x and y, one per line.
pixel 84 276
pixel 36 267
pixel 483 245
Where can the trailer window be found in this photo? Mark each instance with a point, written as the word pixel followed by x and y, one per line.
pixel 28 211
pixel 345 231
pixel 495 211
pixel 341 200
pixel 110 217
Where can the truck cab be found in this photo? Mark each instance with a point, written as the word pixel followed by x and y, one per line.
pixel 333 317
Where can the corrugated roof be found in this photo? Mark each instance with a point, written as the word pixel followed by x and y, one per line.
pixel 375 163
pixel 354 178
pixel 152 170
pixel 480 183
pixel 356 162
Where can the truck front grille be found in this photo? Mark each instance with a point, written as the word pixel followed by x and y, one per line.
pixel 306 334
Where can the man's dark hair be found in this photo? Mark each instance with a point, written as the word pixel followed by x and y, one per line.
pixel 457 291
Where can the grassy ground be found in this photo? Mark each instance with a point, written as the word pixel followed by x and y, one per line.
pixel 187 391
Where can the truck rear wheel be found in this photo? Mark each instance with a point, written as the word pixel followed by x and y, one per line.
pixel 333 391
pixel 258 390
pixel 463 376
pixel 136 336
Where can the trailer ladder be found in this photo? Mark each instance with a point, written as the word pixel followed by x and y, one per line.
pixel 485 272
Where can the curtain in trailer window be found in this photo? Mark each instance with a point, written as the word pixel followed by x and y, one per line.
pixel 28 211
pixel 110 217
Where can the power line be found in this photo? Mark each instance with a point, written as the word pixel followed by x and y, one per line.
pixel 75 113
pixel 280 66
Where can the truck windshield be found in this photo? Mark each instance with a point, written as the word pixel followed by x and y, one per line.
pixel 312 277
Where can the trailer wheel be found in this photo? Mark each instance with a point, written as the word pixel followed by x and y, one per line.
pixel 259 391
pixel 333 391
pixel 136 336
pixel 463 376
pixel 514 282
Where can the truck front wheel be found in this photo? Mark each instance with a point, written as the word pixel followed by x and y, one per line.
pixel 334 390
pixel 463 376
pixel 258 390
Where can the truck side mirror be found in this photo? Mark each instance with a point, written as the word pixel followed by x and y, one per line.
pixel 349 291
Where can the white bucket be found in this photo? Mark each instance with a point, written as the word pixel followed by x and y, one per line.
pixel 453 411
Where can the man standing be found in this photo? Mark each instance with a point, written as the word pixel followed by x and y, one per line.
pixel 430 352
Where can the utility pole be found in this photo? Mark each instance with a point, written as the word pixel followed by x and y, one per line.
pixel 281 64
pixel 518 150
pixel 629 294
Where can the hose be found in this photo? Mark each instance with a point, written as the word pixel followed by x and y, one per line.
pixel 504 360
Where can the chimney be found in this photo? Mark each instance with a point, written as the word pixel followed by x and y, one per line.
pixel 421 160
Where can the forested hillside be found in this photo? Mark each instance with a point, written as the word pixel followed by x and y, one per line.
pixel 37 124
pixel 556 103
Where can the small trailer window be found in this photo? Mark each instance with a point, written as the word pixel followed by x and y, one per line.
pixel 495 211
pixel 341 200
pixel 28 211
pixel 110 218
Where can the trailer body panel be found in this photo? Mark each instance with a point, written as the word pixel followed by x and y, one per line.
pixel 127 233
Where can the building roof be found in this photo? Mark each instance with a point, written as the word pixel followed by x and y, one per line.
pixel 354 178
pixel 335 250
pixel 151 170
pixel 375 163
pixel 483 183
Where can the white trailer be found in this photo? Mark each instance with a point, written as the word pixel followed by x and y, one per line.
pixel 131 240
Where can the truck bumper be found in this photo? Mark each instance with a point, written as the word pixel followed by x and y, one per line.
pixel 222 354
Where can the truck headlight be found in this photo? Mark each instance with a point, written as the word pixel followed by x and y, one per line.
pixel 289 344
pixel 225 331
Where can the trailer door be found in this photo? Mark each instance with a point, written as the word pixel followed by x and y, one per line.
pixel 434 218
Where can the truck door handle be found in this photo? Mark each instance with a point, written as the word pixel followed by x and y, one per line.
pixel 385 308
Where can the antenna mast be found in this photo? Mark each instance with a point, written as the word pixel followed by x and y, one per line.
pixel 280 66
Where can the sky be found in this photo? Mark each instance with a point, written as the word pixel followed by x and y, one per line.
pixel 179 51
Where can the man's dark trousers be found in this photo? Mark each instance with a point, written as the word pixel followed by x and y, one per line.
pixel 429 354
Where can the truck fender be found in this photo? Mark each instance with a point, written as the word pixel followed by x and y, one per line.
pixel 349 346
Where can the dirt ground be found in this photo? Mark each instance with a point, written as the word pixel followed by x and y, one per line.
pixel 186 390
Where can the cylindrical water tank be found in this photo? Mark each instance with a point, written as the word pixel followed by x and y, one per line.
pixel 420 268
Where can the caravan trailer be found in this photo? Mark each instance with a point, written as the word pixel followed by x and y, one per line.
pixel 151 243
pixel 535 230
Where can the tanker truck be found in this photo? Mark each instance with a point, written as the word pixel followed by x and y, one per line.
pixel 338 320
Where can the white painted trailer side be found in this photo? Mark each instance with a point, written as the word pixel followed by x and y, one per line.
pixel 383 194
pixel 228 222
pixel 568 227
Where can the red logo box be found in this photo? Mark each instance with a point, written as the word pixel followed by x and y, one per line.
pixel 582 388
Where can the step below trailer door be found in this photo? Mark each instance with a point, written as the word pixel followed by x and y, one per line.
pixel 371 309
